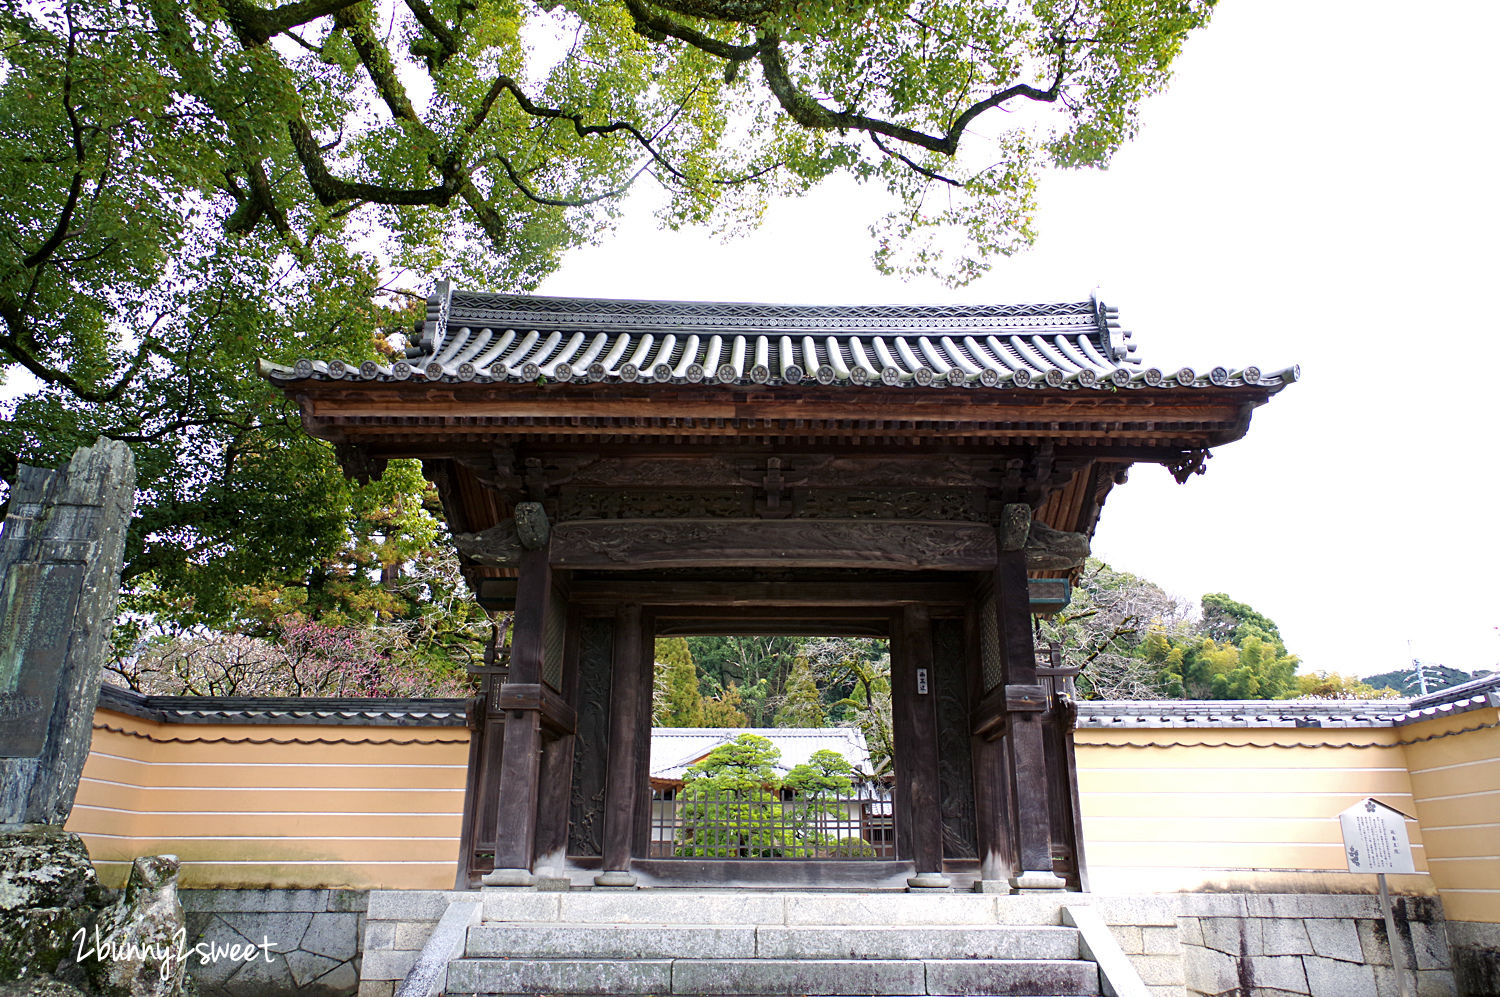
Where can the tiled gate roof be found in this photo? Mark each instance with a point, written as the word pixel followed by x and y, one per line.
pixel 469 336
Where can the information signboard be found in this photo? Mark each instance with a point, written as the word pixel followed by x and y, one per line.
pixel 1375 839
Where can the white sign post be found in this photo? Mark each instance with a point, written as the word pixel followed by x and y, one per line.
pixel 1375 841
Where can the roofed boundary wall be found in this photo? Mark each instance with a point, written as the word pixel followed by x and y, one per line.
pixel 360 794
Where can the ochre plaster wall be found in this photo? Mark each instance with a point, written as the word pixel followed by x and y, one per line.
pixel 1455 776
pixel 1236 809
pixel 275 805
pixel 1163 809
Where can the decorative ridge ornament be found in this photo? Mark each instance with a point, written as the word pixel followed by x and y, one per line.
pixel 435 326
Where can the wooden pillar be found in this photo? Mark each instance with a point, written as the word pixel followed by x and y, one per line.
pixel 913 693
pixel 1024 701
pixel 640 839
pixel 622 788
pixel 556 775
pixel 520 760
pixel 991 772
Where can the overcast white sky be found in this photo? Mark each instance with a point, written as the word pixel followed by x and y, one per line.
pixel 1317 188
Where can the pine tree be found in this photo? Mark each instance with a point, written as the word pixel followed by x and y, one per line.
pixel 682 705
pixel 724 710
pixel 801 706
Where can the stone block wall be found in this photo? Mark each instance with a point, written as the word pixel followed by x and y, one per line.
pixel 397 925
pixel 313 938
pixel 1476 957
pixel 1304 945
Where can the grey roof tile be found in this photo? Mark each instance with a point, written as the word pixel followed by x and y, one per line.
pixel 500 338
pixel 1481 693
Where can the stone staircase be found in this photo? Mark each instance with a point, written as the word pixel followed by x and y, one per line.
pixel 724 943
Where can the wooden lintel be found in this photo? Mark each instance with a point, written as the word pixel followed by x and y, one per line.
pixel 734 595
pixel 1048 595
pixel 641 544
pixel 557 715
pixel 389 403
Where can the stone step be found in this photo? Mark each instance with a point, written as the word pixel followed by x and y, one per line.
pixel 772 978
pixel 708 907
pixel 666 941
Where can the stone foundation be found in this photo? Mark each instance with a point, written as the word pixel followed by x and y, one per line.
pixel 314 937
pixel 1476 957
pixel 1314 945
pixel 1182 945
pixel 397 925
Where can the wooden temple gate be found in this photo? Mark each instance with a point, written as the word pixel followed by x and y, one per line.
pixel 614 471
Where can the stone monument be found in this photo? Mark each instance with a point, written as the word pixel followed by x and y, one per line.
pixel 60 552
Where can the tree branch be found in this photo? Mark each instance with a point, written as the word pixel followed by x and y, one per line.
pixel 11 345
pixel 504 84
pixel 913 164
pixel 80 155
pixel 254 26
pixel 447 43
pixel 553 202
pixel 660 26
pixel 807 111
pixel 331 190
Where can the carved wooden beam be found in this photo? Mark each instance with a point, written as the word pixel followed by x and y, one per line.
pixel 1054 550
pixel 356 463
pixel 531 525
pixel 1046 549
pixel 755 543
pixel 498 546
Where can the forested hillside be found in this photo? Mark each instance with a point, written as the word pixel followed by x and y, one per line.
pixel 1422 678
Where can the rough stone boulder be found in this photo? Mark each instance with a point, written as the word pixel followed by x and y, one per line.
pixel 48 892
pixel 139 944
pixel 40 985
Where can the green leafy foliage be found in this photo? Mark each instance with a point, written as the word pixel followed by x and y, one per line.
pixel 1198 667
pixel 1332 685
pixel 801 706
pixel 868 707
pixel 1224 619
pixel 1135 641
pixel 734 803
pixel 190 186
pixel 756 666
pixel 676 698
pixel 724 710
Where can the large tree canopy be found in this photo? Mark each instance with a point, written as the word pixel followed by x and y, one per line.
pixel 188 184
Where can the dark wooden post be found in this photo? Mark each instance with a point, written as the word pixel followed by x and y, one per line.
pixel 913 695
pixel 621 787
pixel 520 760
pixel 557 769
pixel 992 781
pixel 645 677
pixel 1024 701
